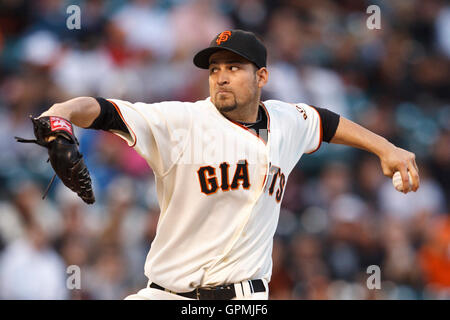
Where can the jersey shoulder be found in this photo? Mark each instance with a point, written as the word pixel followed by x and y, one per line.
pixel 188 106
pixel 163 111
pixel 285 109
pixel 167 104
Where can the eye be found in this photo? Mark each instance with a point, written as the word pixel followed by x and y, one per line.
pixel 234 68
pixel 212 70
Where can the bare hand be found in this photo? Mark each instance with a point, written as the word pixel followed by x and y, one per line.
pixel 398 159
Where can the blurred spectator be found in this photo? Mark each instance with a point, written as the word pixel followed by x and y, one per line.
pixel 81 71
pixel 369 179
pixel 26 206
pixel 146 27
pixel 398 265
pixel 105 279
pixel 124 229
pixel 434 258
pixel 250 14
pixel 440 163
pixel 281 283
pixel 308 268
pixel 351 246
pixel 194 24
pixel 442 25
pixel 30 268
pixel 76 238
pixel 14 17
pixel 41 48
pixel 49 15
pixel 334 180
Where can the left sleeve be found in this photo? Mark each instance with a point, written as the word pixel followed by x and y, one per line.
pixel 109 118
pixel 157 131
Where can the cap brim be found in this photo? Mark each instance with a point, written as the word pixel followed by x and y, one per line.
pixel 201 59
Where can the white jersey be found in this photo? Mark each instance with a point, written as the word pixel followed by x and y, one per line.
pixel 219 186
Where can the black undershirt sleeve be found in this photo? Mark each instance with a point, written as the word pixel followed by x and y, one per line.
pixel 330 122
pixel 109 118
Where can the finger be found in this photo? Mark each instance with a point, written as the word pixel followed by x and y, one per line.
pixel 386 170
pixel 414 175
pixel 415 165
pixel 388 173
pixel 405 178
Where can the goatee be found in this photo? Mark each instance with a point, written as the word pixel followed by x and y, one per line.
pixel 227 108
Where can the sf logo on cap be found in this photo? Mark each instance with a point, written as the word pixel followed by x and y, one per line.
pixel 223 36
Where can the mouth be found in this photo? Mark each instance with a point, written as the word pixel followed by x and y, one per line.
pixel 223 92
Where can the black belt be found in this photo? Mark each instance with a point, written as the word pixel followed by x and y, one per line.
pixel 226 292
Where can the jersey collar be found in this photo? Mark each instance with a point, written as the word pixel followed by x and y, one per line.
pixel 261 105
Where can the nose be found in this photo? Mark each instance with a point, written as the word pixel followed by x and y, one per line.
pixel 222 78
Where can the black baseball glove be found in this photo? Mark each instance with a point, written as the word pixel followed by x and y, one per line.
pixel 56 134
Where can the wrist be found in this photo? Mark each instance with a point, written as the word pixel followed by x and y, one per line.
pixel 61 110
pixel 384 148
pixel 57 110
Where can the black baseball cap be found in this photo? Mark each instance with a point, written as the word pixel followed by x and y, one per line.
pixel 243 43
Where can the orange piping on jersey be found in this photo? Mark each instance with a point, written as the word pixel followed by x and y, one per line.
pixel 268 131
pixel 245 128
pixel 264 181
pixel 123 119
pixel 321 131
pixel 268 116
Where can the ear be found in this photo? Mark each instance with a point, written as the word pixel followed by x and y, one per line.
pixel 262 76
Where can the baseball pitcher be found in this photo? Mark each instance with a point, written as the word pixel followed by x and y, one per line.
pixel 221 167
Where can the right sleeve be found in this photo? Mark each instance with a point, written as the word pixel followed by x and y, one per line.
pixel 157 131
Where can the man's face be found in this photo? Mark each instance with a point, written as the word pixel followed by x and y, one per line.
pixel 232 81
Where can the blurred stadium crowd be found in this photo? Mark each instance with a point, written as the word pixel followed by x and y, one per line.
pixel 339 214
